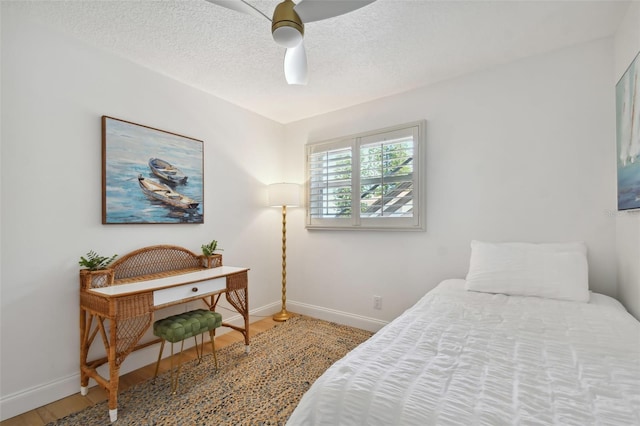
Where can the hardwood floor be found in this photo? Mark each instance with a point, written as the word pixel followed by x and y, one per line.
pixel 76 402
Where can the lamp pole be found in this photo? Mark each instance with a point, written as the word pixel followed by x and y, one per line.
pixel 283 315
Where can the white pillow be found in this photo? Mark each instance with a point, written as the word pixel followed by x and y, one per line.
pixel 554 271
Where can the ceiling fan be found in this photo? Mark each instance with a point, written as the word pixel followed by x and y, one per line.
pixel 287 26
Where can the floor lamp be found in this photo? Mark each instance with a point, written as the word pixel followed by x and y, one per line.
pixel 283 195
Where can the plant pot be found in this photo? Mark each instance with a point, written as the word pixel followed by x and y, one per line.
pixel 96 279
pixel 213 261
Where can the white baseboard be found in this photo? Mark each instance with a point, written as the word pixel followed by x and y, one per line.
pixel 37 396
pixel 340 317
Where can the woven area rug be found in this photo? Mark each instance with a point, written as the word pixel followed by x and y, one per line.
pixel 261 388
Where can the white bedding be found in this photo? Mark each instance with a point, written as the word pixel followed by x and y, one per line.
pixel 466 358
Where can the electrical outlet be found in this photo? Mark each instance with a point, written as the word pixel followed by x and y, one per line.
pixel 377 302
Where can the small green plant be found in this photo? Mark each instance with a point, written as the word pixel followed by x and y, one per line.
pixel 209 249
pixel 94 262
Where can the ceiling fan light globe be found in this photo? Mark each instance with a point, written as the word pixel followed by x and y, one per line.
pixel 287 36
pixel 295 65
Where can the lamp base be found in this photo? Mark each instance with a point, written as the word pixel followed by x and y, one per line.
pixel 283 315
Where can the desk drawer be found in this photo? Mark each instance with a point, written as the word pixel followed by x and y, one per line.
pixel 188 291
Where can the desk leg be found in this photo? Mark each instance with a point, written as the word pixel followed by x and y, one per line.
pixel 129 317
pixel 88 331
pixel 124 335
pixel 84 377
pixel 247 347
pixel 237 295
pixel 239 299
pixel 114 372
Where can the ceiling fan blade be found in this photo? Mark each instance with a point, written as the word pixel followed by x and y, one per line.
pixel 316 10
pixel 240 6
pixel 295 65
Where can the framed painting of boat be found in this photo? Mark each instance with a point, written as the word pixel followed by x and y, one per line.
pixel 628 136
pixel 150 175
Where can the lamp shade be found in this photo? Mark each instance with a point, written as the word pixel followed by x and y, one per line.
pixel 284 194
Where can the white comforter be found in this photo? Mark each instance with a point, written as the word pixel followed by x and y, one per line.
pixel 465 358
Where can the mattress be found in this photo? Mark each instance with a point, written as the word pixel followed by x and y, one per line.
pixel 467 358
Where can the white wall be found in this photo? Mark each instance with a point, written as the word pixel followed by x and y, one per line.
pixel 626 47
pixel 54 91
pixel 520 152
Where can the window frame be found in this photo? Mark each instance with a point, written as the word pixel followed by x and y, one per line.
pixel 415 222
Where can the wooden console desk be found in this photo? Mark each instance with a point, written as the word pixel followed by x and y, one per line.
pixel 128 304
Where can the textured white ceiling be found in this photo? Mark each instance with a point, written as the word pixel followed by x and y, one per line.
pixel 387 47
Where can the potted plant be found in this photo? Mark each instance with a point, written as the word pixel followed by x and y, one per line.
pixel 96 272
pixel 210 258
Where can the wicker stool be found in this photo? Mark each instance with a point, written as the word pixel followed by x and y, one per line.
pixel 179 327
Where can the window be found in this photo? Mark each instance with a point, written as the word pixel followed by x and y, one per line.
pixel 369 181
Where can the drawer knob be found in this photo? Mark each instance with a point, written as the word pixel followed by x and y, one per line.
pixel 195 289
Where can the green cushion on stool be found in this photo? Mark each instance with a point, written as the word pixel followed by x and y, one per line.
pixel 188 324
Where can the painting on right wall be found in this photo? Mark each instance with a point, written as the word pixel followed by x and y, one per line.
pixel 628 136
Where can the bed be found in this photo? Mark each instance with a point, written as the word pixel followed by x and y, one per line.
pixel 465 356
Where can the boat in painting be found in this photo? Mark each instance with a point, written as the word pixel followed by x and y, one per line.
pixel 166 171
pixel 161 192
